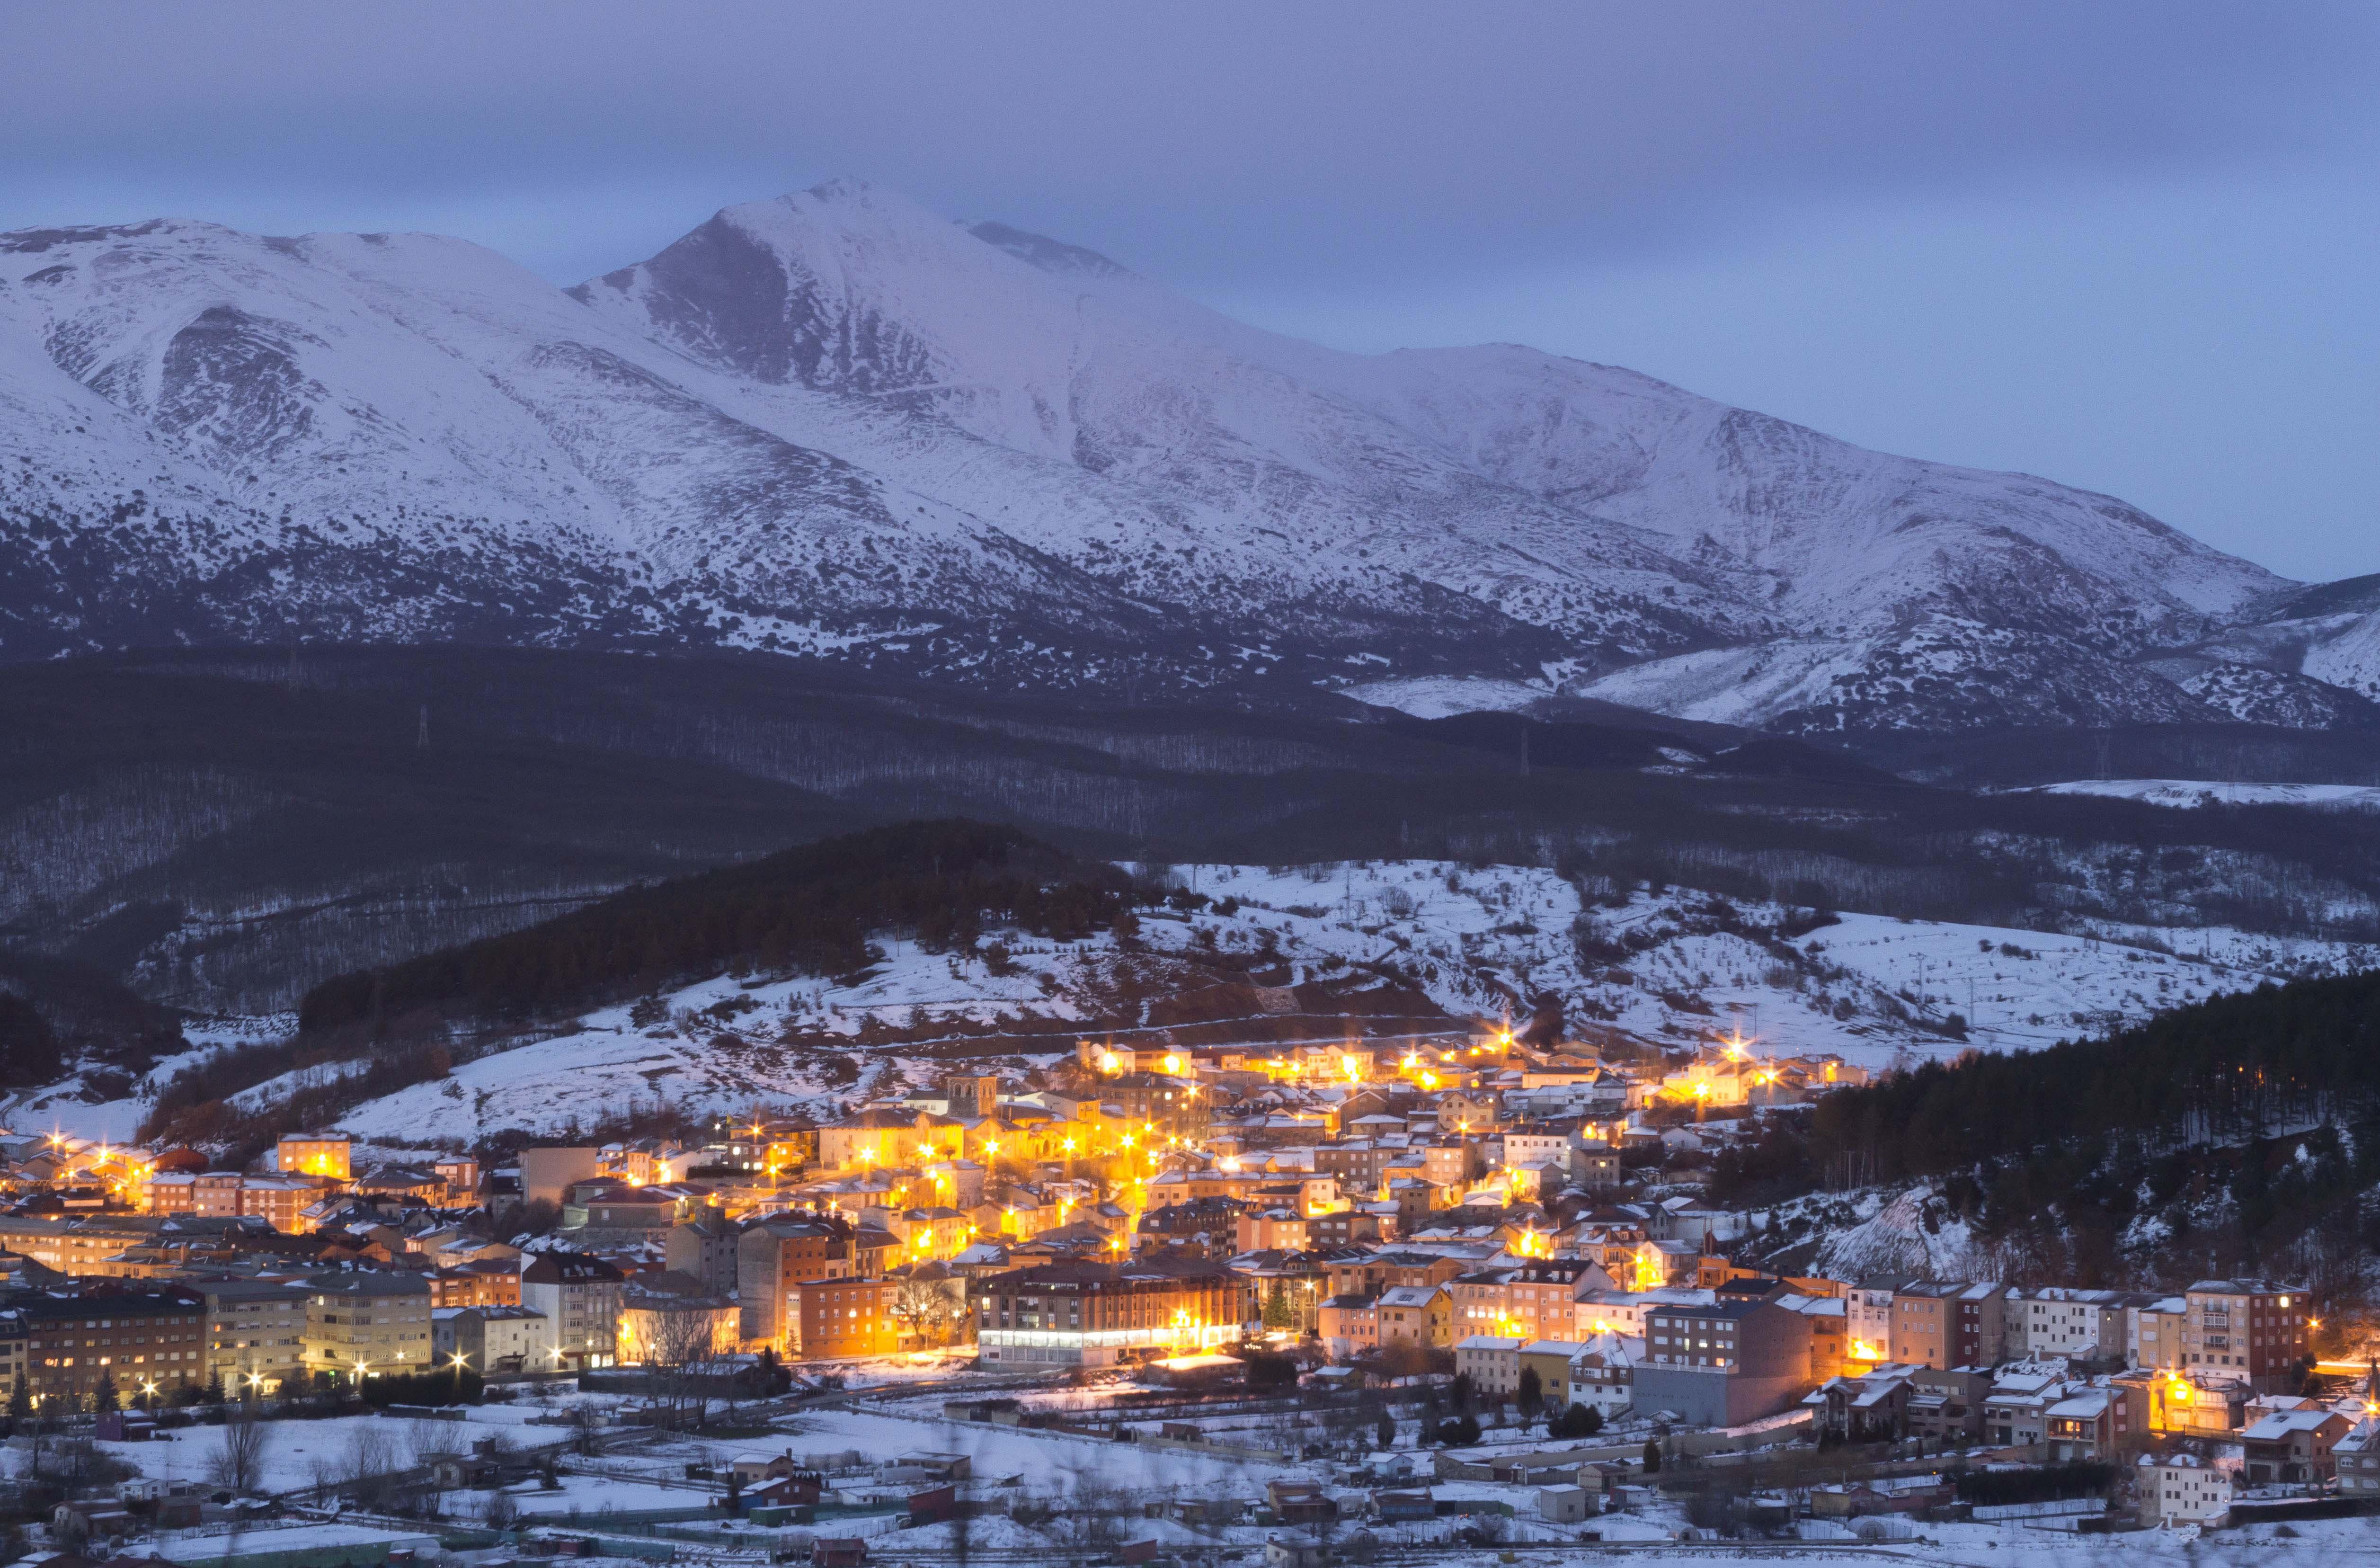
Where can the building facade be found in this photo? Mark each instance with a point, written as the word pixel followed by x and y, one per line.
pixel 1082 1314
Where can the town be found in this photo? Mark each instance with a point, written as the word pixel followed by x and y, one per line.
pixel 1463 1288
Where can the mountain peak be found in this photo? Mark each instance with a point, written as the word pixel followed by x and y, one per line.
pixel 835 422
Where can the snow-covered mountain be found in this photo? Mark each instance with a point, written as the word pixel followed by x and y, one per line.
pixel 836 423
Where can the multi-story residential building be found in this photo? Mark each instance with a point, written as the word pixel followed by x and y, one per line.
pixel 314 1154
pixel 256 1332
pixel 483 1281
pixel 461 1174
pixel 279 1201
pixel 492 1340
pixel 1595 1166
pixel 216 1195
pixel 2253 1330
pixel 704 1248
pixel 145 1339
pixel 2183 1488
pixel 1535 1145
pixel 1356 1163
pixel 1979 1325
pixel 1943 1325
pixel 1492 1362
pixel 363 1322
pixel 2156 1332
pixel 776 1255
pixel 1867 1318
pixel 1467 1113
pixel 840 1318
pixel 1085 1314
pixel 1725 1364
pixel 1350 1325
pixel 1420 1315
pixel 173 1192
pixel 580 1298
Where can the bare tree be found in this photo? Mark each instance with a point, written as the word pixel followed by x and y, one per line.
pixel 586 1424
pixel 500 1511
pixel 238 1462
pixel 680 1353
pixel 933 1310
pixel 368 1466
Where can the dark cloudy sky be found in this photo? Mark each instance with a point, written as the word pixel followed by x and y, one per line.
pixel 2129 246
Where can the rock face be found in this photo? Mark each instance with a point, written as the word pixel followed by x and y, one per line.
pixel 841 426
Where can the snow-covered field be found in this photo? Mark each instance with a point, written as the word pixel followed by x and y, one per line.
pixel 2189 792
pixel 298 1454
pixel 1671 968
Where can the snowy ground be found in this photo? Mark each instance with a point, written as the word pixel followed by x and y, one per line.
pixel 2188 792
pixel 1673 968
pixel 298 1454
pixel 1439 697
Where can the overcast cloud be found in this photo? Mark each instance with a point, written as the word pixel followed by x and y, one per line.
pixel 2129 246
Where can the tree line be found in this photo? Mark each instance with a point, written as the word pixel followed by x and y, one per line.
pixel 808 910
pixel 2226 1069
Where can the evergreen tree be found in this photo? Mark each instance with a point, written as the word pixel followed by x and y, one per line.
pixel 1652 1457
pixel 20 1400
pixel 215 1387
pixel 1387 1429
pixel 1277 1314
pixel 1531 1397
pixel 106 1397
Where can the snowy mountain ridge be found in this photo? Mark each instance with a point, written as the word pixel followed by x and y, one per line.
pixel 837 424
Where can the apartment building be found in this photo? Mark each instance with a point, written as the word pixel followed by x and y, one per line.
pixel 773 1257
pixel 2253 1330
pixel 2181 1488
pixel 492 1340
pixel 579 1297
pixel 1085 1314
pixel 1724 1364
pixel 1492 1362
pixel 314 1154
pixel 256 1332
pixel 2156 1332
pixel 1943 1325
pixel 483 1281
pixel 842 1318
pixel 140 1338
pixel 363 1322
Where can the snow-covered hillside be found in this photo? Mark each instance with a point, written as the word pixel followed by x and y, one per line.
pixel 835 423
pixel 2189 792
pixel 1666 970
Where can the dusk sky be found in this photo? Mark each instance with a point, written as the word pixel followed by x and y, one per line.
pixel 2130 247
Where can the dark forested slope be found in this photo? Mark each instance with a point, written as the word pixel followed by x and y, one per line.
pixel 809 909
